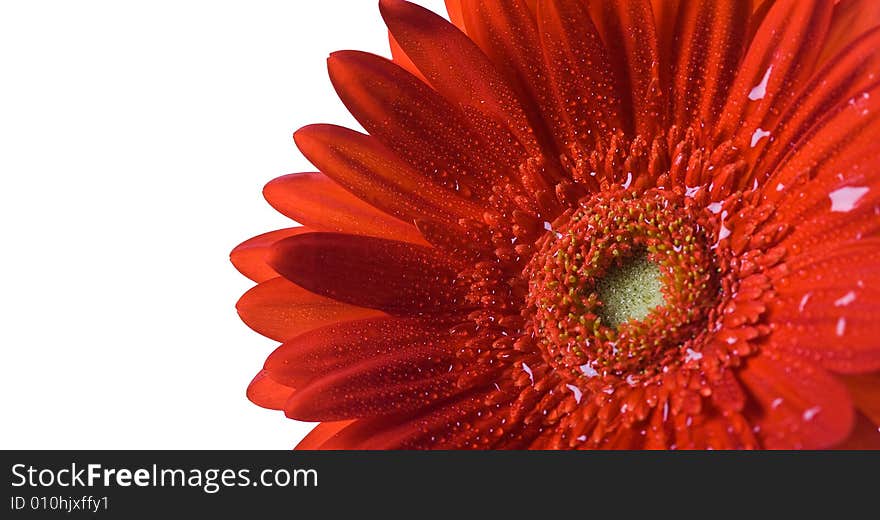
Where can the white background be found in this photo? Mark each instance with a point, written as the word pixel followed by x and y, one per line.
pixel 135 138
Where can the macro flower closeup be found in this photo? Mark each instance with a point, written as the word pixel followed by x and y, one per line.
pixel 573 224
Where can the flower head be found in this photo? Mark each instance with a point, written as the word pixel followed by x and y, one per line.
pixel 572 224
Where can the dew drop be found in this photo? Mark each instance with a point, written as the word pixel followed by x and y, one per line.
pixel 692 355
pixel 846 198
pixel 582 438
pixel 577 393
pixel 776 403
pixel 528 371
pixel 629 179
pixel 588 370
pixel 760 90
pixel 841 326
pixel 691 192
pixel 811 413
pixel 846 299
pixel 758 135
pixel 714 207
pixel 804 301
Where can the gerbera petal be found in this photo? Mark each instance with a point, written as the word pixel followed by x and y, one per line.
pixel 580 72
pixel 400 58
pixel 416 123
pixel 342 346
pixel 438 47
pixel 268 393
pixel 507 33
pixel 321 434
pixel 847 77
pixel 850 20
pixel 280 310
pixel 457 423
pixel 630 34
pixel 249 257
pixel 829 179
pixel 707 46
pixel 782 55
pixel 826 307
pixel 395 277
pixel 365 368
pixel 865 436
pixel 374 174
pixel 798 405
pixel 318 202
pixel 456 15
pixel 865 392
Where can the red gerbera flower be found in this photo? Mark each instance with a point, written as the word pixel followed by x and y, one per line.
pixel 604 224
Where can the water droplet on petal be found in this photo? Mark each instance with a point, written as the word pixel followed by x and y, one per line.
pixel 810 413
pixel 577 393
pixel 588 370
pixel 804 301
pixel 846 198
pixel 692 355
pixel 528 371
pixel 758 135
pixel 846 299
pixel 760 90
pixel 841 326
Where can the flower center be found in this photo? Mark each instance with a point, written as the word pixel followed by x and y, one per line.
pixel 630 291
pixel 621 284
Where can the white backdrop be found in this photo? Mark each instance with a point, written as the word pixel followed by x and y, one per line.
pixel 135 138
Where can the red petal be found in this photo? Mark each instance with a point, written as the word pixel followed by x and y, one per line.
pixel 416 123
pixel 846 77
pixel 797 405
pixel 579 69
pixel 630 35
pixel 865 392
pixel 839 153
pixel 400 58
pixel 707 46
pixel 374 174
pixel 507 33
pixel 342 346
pixel 459 423
pixel 458 69
pixel 365 368
pixel 280 310
pixel 249 257
pixel 851 19
pixel 268 393
pixel 865 436
pixel 396 277
pixel 456 15
pixel 316 201
pixel 665 16
pixel 321 435
pixel 826 308
pixel 787 42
